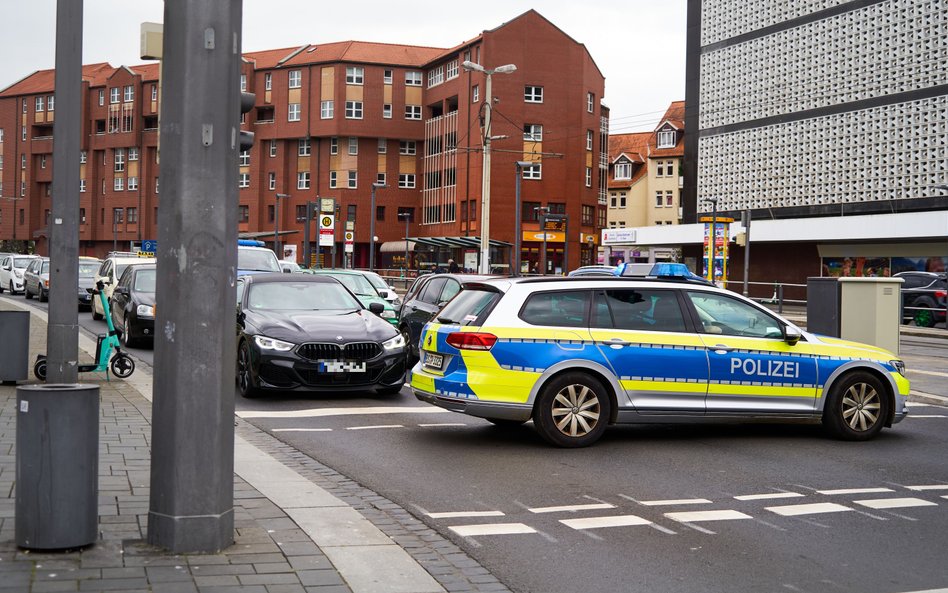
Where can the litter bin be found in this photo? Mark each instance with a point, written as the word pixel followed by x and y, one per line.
pixel 57 466
pixel 14 345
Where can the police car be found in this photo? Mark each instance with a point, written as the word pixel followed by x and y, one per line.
pixel 577 354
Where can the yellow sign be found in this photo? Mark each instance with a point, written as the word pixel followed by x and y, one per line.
pixel 551 237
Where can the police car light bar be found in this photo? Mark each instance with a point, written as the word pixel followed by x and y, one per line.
pixel 471 340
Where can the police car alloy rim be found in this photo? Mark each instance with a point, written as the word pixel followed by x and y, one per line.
pixel 576 410
pixel 861 407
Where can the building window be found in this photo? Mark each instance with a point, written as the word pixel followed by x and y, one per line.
pixel 666 139
pixel 51 103
pixel 533 94
pixel 82 186
pixel 412 78
pixel 412 111
pixel 333 179
pixel 133 153
pixel 451 70
pixel 244 180
pixel 383 146
pixel 589 140
pixel 587 215
pixel 118 215
pixel 590 102
pixel 326 109
pixel 589 177
pixel 132 183
pixel 243 213
pixel 533 132
pixel 475 93
pixel 387 76
pixel 300 213
pixel 353 179
pixel 293 113
pixel 119 160
pixel 353 145
pixel 272 181
pixel 353 109
pixel 659 201
pixel 273 148
pixel 435 76
pixel 156 185
pixel 42 161
pixel 622 201
pixel 243 83
pixel 244 158
pixel 129 95
pixel 387 111
pixel 407 147
pixel 114 95
pixel 351 212
pixel 380 179
pixel 669 198
pixel 118 184
pixel 39 103
pixel 267 81
pixel 295 79
pixel 334 145
pixel 101 97
pixel 303 148
pixel 23 160
pixel 406 180
pixel 154 92
pixel 355 74
pixel 302 180
pixel 533 171
pixel 623 171
pixel 380 213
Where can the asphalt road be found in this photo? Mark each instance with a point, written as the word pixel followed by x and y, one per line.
pixel 752 508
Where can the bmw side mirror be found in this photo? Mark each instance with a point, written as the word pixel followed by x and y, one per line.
pixel 376 308
pixel 791 335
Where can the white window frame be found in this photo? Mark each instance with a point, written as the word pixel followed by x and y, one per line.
pixel 475 93
pixel 302 180
pixel 119 160
pixel 622 171
pixel 590 102
pixel 622 199
pixel 387 111
pixel 273 147
pixel 51 103
pixel 669 198
pixel 101 97
pixel 39 104
pixel 659 199
pixel 154 92
pixel 243 180
pixel 666 139
pixel 534 171
pixel 407 147
pixel 333 179
pixel 118 184
pixel 334 145
pixel 83 157
pixel 380 178
pixel 293 112
pixel 82 186
pixel 354 109
pixel 413 78
pixel 326 109
pixel 353 182
pixel 533 132
pixel 387 76
pixel 132 183
pixel 406 180
pixel 589 177
pixel 413 112
pixel 451 70
pixel 589 139
pixel 435 76
pixel 353 145
pixel 272 181
pixel 383 146
pixel 129 94
pixel 355 75
pixel 268 81
pixel 133 153
pixel 532 93
pixel 303 147
pixel 294 79
pixel 243 83
pixel 243 158
pixel 42 161
pixel 115 94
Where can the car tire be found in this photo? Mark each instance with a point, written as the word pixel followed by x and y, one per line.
pixel 572 410
pixel 245 379
pixel 857 407
pixel 43 296
pixel 390 390
pixel 26 293
pixel 410 357
pixel 924 317
pixel 12 292
pixel 127 340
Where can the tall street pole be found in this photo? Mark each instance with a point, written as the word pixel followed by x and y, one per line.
pixel 518 215
pixel 407 218
pixel 63 329
pixel 191 506
pixel 276 225
pixel 747 247
pixel 372 227
pixel 485 180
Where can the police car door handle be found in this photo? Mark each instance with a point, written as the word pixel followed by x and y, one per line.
pixel 617 342
pixel 721 349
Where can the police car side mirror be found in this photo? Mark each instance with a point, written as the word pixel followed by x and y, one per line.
pixel 791 335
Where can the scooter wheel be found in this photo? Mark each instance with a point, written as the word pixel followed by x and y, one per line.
pixel 39 369
pixel 122 366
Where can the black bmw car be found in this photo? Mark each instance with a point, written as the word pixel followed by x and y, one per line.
pixel 299 332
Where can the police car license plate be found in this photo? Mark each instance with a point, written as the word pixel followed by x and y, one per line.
pixel 341 366
pixel 434 360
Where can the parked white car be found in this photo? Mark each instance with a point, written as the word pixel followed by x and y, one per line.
pixel 385 290
pixel 11 272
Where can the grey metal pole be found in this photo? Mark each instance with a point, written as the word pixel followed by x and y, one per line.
pixel 62 333
pixel 543 228
pixel 276 225
pixel 517 223
pixel 306 247
pixel 747 247
pixel 192 464
pixel 335 223
pixel 485 179
pixel 566 245
pixel 372 228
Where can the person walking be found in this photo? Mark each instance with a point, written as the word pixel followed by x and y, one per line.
pixel 453 267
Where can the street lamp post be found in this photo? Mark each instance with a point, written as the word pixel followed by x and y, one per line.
pixel 542 212
pixel 712 238
pixel 407 217
pixel 485 178
pixel 276 225
pixel 520 165
pixel 375 186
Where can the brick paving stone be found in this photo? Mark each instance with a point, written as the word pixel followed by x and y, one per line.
pixel 272 567
pixel 168 574
pixel 222 569
pixel 329 589
pixel 113 584
pixel 309 562
pixel 182 587
pixel 53 586
pixel 319 577
pixel 285 589
pixel 216 580
pixel 276 578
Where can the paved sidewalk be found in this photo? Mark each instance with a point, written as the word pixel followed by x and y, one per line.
pixel 299 526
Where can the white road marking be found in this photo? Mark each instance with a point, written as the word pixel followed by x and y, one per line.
pixel 895 503
pixel 926 416
pixel 855 491
pixel 443 424
pixel 660 503
pixel 930 591
pixel 935 373
pixel 322 412
pixel 917 405
pixel 491 529
pixel 769 496
pixel 601 522
pixel 794 510
pixel 302 430
pixel 455 514
pixel 376 426
pixel 572 508
pixel 928 487
pixel 698 516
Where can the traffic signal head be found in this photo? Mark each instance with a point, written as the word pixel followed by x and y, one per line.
pixel 246 104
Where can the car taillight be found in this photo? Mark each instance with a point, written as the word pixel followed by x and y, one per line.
pixel 941 294
pixel 471 340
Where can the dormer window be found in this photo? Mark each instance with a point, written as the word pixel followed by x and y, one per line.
pixel 623 170
pixel 666 139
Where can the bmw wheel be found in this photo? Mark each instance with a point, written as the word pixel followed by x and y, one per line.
pixel 857 407
pixel 572 410
pixel 245 380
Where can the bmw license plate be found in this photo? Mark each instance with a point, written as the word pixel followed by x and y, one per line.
pixel 341 366
pixel 433 360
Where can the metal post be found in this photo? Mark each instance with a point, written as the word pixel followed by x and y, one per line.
pixel 485 179
pixel 407 218
pixel 276 225
pixel 565 270
pixel 63 328
pixel 114 231
pixel 372 227
pixel 307 250
pixel 518 223
pixel 712 238
pixel 334 225
pixel 192 464
pixel 780 298
pixel 747 247
pixel 543 229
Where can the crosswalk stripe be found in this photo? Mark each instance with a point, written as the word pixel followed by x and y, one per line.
pixel 456 514
pixel 808 509
pixel 895 503
pixel 769 496
pixel 602 522
pixel 350 411
pixel 926 416
pixel 438 424
pixel 573 508
pixel 376 426
pixel 491 529
pixel 698 516
pixel 855 491
pixel 302 430
pixel 928 487
pixel 672 502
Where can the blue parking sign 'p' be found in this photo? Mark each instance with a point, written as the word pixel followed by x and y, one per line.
pixel 150 246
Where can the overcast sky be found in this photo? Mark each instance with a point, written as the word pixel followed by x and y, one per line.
pixel 638 44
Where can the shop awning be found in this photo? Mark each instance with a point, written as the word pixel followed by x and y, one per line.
pixel 396 247
pixel 462 242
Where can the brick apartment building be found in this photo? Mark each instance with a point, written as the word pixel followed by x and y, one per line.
pixel 330 121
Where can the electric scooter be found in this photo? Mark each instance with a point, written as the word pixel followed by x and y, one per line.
pixel 122 364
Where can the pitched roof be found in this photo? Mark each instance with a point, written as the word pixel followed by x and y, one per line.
pixel 44 81
pixel 148 72
pixel 362 52
pixel 632 145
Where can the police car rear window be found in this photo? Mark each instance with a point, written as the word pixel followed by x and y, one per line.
pixel 469 307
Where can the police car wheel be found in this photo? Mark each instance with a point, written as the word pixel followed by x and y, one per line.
pixel 572 410
pixel 857 407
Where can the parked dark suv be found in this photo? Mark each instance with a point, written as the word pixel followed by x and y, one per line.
pixel 923 297
pixel 426 297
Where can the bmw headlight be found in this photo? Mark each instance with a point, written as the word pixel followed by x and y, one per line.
pixel 265 343
pixel 145 311
pixel 899 366
pixel 395 343
pixel 387 314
